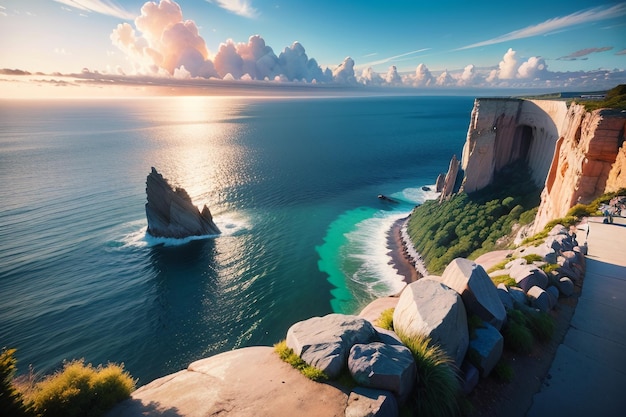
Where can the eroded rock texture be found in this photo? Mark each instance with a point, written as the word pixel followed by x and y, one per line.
pixel 171 213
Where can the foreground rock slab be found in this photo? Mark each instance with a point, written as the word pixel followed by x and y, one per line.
pixel 172 214
pixel 248 382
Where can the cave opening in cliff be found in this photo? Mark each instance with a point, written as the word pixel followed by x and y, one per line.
pixel 523 139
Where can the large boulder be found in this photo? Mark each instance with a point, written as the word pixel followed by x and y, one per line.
pixel 527 276
pixel 477 290
pixel 539 299
pixel 325 342
pixel 431 308
pixel 486 348
pixel 388 367
pixel 171 213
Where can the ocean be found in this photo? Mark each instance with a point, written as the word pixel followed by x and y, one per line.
pixel 291 182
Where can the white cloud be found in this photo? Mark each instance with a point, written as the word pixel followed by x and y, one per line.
pixel 423 77
pixel 551 25
pixel 240 7
pixel 105 7
pixel 344 73
pixel 392 76
pixel 370 77
pixel 508 65
pixel 445 80
pixel 469 75
pixel 535 67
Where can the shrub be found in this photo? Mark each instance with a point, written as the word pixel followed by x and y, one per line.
pixel 11 399
pixel 517 336
pixel 437 389
pixel 533 258
pixel 504 371
pixel 82 390
pixel 288 355
pixel 541 325
pixel 385 320
pixel 503 279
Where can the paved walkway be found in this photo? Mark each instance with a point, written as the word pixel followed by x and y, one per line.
pixel 588 374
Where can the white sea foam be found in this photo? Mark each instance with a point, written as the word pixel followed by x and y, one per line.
pixel 135 234
pixel 367 244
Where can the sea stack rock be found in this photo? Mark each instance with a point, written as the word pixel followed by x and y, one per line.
pixel 171 213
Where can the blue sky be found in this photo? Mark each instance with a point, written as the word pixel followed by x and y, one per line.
pixel 537 43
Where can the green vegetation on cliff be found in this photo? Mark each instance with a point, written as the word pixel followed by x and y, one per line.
pixel 467 225
pixel 615 99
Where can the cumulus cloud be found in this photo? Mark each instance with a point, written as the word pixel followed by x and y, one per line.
pixel 535 67
pixel 468 76
pixel 422 77
pixel 582 54
pixel 344 73
pixel 163 42
pixel 445 79
pixel 392 77
pixel 508 65
pixel 370 77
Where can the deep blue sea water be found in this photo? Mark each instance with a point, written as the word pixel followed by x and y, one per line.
pixel 292 183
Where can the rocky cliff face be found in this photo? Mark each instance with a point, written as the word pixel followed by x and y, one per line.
pixel 171 213
pixel 503 131
pixel 573 154
pixel 589 160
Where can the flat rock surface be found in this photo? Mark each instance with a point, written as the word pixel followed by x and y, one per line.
pixel 248 382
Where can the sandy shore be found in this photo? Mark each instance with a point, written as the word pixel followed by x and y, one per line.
pixel 400 258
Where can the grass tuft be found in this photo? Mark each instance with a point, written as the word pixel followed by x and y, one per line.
pixel 82 390
pixel 385 320
pixel 541 325
pixel 288 355
pixel 436 392
pixel 517 335
pixel 503 279
pixel 504 371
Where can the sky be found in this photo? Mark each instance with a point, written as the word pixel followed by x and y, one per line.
pixel 555 44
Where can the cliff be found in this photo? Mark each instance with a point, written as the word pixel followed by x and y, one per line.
pixel 573 154
pixel 588 160
pixel 503 131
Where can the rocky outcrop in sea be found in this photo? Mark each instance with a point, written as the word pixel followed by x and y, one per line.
pixel 171 213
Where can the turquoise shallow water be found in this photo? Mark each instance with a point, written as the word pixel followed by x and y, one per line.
pixel 292 183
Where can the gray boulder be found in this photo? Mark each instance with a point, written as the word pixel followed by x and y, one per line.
pixel 471 376
pixel 505 297
pixel 566 286
pixel 388 337
pixel 527 276
pixel 431 308
pixel 478 292
pixel 171 213
pixel 486 348
pixel 325 342
pixel 560 243
pixel 367 402
pixel 388 367
pixel 553 296
pixel 518 295
pixel 539 298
